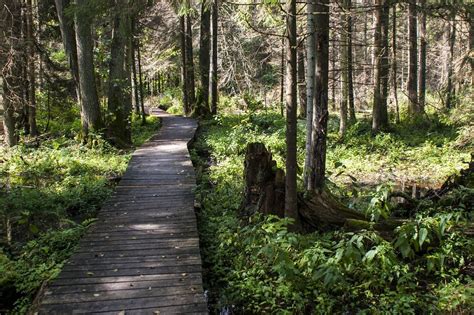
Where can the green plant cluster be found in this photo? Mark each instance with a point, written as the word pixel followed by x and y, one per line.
pixel 50 191
pixel 258 266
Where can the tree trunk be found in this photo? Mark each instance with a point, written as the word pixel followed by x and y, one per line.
pixel 90 111
pixel 320 113
pixel 413 107
pixel 394 63
pixel 133 65
pixel 190 62
pixel 310 71
pixel 204 58
pixel 422 58
pixel 282 74
pixel 10 27
pixel 140 82
pixel 334 72
pixel 66 25
pixel 450 93
pixel 215 14
pixel 301 82
pixel 291 200
pixel 31 64
pixel 119 80
pixel 350 72
pixel 184 72
pixel 471 43
pixel 343 62
pixel 379 113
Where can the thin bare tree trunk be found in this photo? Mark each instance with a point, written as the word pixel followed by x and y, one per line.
pixel 350 72
pixel 136 94
pixel 10 27
pixel 140 82
pixel 379 113
pixel 394 63
pixel 343 62
pixel 320 113
pixel 412 86
pixel 291 200
pixel 215 14
pixel 450 93
pixel 204 58
pixel 186 105
pixel 301 82
pixel 422 56
pixel 31 64
pixel 282 74
pixel 190 62
pixel 310 71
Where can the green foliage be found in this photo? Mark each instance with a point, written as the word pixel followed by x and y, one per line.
pixel 260 267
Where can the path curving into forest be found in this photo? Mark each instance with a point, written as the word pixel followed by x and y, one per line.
pixel 142 256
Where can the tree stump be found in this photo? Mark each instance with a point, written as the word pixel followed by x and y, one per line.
pixel 264 183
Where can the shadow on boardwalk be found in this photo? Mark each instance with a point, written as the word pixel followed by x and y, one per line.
pixel 142 256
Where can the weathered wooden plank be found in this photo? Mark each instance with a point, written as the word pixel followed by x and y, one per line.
pixel 178 269
pixel 150 291
pixel 142 255
pixel 70 266
pixel 127 281
pixel 168 310
pixel 123 304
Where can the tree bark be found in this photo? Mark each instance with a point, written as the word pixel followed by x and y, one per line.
pixel 214 82
pixel 282 74
pixel 310 72
pixel 184 70
pixel 66 26
pixel 412 86
pixel 422 58
pixel 344 65
pixel 31 65
pixel 379 113
pixel 140 82
pixel 450 93
pixel 190 62
pixel 90 111
pixel 350 72
pixel 394 63
pixel 136 94
pixel 320 113
pixel 291 199
pixel 301 82
pixel 264 183
pixel 119 79
pixel 204 58
pixel 10 28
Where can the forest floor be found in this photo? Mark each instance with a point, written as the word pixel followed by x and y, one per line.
pixel 50 193
pixel 256 265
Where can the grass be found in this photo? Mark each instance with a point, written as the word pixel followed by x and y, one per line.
pixel 258 266
pixel 50 194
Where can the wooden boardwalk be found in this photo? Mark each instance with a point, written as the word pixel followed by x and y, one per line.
pixel 142 256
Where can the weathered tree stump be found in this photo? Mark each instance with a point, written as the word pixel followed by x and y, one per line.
pixel 264 183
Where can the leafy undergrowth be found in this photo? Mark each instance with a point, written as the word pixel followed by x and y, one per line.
pixel 260 267
pixel 49 194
